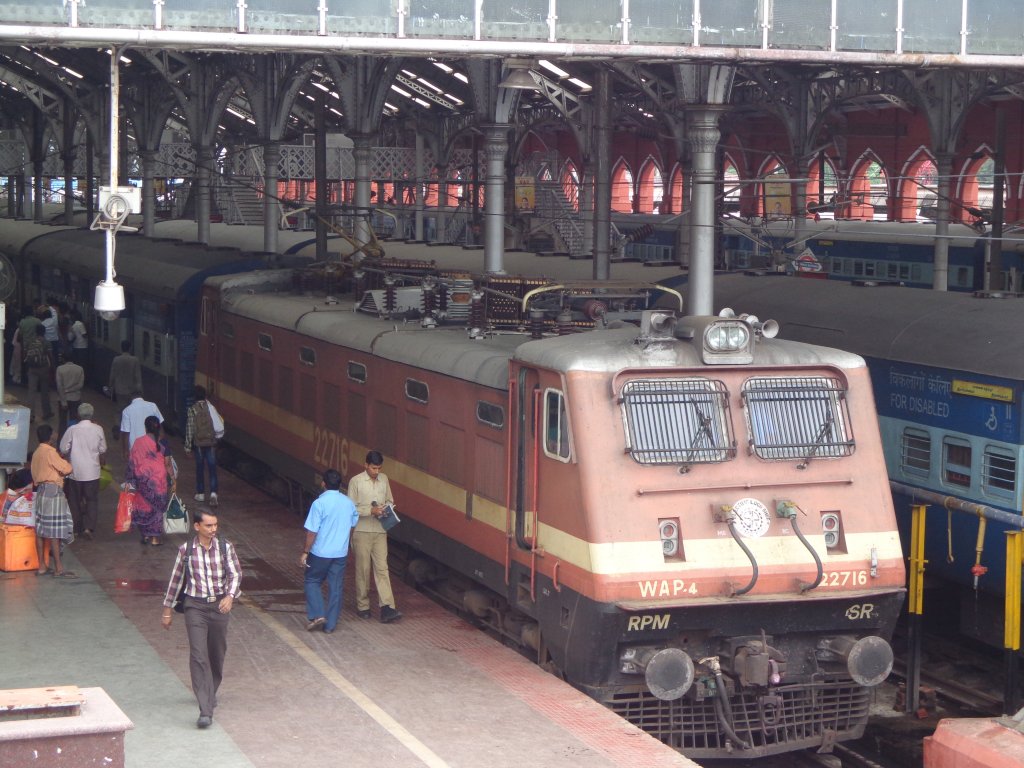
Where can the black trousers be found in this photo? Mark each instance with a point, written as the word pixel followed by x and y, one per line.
pixel 207 630
pixel 83 499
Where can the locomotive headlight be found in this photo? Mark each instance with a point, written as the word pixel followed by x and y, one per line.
pixel 668 529
pixel 727 337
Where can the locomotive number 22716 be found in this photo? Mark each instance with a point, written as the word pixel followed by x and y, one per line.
pixel 844 579
pixel 330 450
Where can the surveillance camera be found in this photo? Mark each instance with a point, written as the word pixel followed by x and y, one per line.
pixel 109 300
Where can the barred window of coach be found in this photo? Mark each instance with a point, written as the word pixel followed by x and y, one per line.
pixel 957 457
pixel 916 452
pixel 1000 472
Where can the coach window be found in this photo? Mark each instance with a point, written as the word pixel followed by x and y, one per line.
pixel 556 426
pixel 265 342
pixel 1000 478
pixel 956 469
pixel 307 355
pixel 490 414
pixel 417 390
pixel 357 372
pixel 916 452
pixel 227 330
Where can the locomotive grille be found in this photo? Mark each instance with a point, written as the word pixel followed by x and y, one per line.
pixel 797 417
pixel 801 716
pixel 677 421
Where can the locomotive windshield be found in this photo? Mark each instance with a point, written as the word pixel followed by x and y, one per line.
pixel 797 417
pixel 687 420
pixel 677 421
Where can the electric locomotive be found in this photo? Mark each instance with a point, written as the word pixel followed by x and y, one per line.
pixel 682 516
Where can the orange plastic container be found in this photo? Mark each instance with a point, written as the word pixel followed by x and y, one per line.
pixel 18 548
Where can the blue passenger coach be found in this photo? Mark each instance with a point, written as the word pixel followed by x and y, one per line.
pixel 162 278
pixel 890 251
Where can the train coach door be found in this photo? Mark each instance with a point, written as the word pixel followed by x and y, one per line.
pixel 207 359
pixel 525 395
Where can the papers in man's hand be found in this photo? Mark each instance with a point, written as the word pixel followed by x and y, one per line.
pixel 388 519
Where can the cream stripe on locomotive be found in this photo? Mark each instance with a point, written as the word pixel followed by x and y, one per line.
pixel 598 558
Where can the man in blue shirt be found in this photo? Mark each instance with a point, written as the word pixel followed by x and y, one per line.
pixel 328 526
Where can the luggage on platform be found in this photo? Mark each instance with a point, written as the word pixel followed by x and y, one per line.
pixel 18 548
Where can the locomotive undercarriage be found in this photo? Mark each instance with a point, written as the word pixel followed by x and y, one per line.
pixel 789 717
pixel 814 704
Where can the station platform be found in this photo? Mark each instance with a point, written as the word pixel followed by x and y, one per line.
pixel 427 690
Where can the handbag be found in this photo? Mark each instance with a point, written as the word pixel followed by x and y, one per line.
pixel 175 516
pixel 123 518
pixel 216 419
pixel 105 478
pixel 179 600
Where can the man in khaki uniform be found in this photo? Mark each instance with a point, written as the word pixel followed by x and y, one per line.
pixel 370 491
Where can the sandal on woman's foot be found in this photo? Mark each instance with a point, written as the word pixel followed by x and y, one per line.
pixel 155 542
pixel 65 575
pixel 43 571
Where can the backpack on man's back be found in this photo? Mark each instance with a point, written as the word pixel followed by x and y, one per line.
pixel 204 435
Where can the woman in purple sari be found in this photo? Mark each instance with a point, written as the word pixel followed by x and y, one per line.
pixel 147 472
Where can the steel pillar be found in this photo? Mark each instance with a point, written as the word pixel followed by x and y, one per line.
pixel 421 187
pixel 602 175
pixel 703 134
pixel 204 161
pixel 148 158
pixel 271 203
pixel 495 152
pixel 362 152
pixel 940 272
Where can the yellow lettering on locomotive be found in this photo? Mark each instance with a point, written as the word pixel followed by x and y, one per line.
pixel 666 588
pixel 329 450
pixel 857 612
pixel 648 622
pixel 844 579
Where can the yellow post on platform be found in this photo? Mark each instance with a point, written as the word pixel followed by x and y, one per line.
pixel 1014 555
pixel 917 561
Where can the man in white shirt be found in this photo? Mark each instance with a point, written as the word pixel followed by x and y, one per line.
pixel 133 421
pixel 51 325
pixel 85 445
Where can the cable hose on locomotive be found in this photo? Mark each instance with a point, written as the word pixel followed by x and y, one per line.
pixel 817 560
pixel 723 711
pixel 750 557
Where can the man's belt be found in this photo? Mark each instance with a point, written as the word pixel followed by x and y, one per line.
pixel 214 599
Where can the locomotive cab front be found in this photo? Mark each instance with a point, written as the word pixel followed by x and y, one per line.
pixel 729 546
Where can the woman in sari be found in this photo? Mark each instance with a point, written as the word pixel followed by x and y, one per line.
pixel 148 473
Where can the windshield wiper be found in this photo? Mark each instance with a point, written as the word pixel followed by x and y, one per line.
pixel 819 441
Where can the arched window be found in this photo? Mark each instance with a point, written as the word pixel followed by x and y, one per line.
pixel 775 199
pixel 976 190
pixel 649 189
pixel 919 189
pixel 822 188
pixel 733 192
pixel 869 192
pixel 622 189
pixel 571 184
